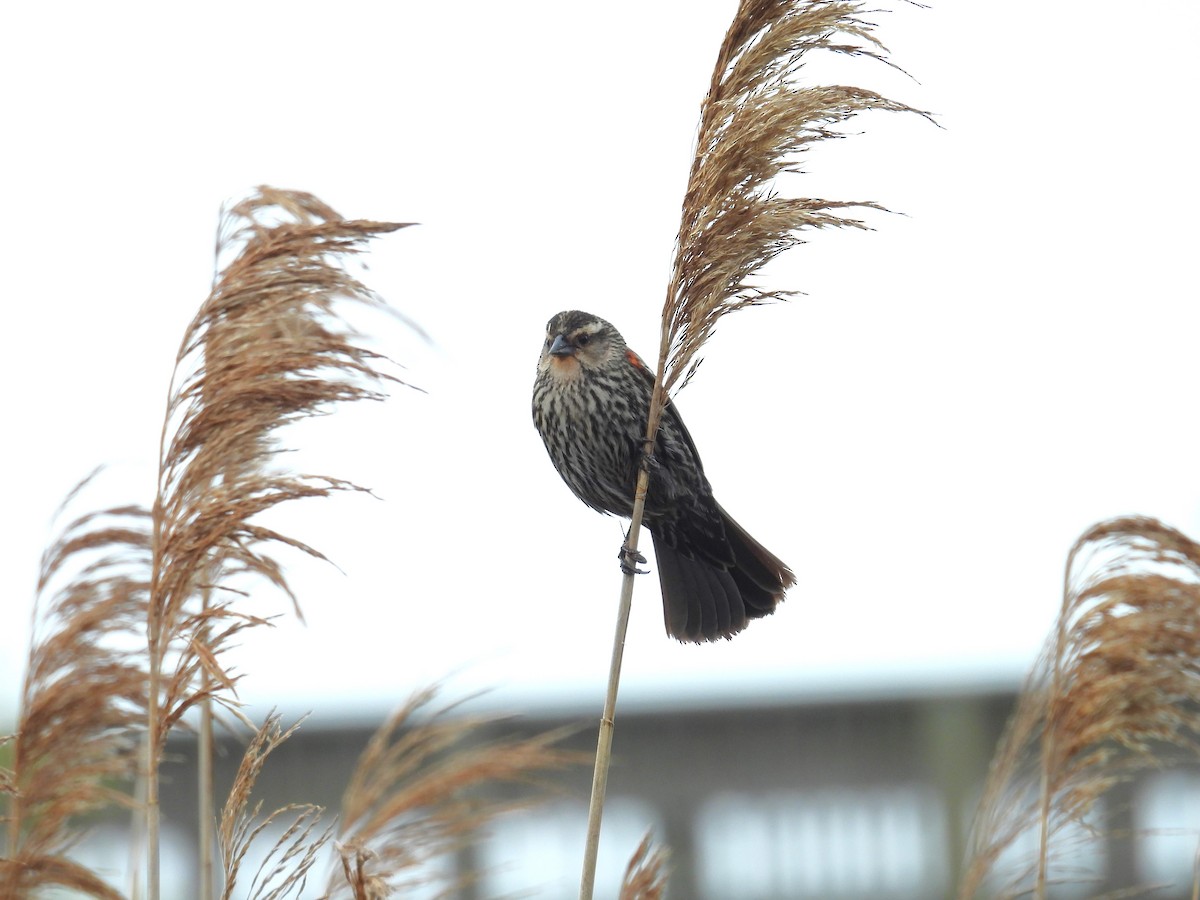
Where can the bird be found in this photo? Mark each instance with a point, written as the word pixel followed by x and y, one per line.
pixel 591 399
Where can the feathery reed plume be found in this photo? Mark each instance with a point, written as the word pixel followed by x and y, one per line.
pixel 285 869
pixel 754 124
pixel 422 788
pixel 267 348
pixel 83 702
pixel 1115 691
pixel 646 874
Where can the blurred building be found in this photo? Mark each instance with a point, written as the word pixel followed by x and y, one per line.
pixel 853 799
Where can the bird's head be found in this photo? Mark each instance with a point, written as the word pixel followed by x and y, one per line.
pixel 577 342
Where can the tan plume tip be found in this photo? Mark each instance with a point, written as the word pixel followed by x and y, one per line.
pixel 267 348
pixel 755 123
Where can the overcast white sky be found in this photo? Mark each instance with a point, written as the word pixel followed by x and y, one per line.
pixel 921 436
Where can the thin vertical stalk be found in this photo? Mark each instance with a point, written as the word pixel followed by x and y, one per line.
pixel 591 848
pixel 607 720
pixel 204 799
pixel 155 608
pixel 204 765
pixel 137 826
pixel 151 759
pixel 14 809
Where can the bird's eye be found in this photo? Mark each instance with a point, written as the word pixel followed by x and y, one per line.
pixel 583 339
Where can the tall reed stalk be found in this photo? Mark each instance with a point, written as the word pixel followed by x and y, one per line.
pixel 755 122
pixel 266 349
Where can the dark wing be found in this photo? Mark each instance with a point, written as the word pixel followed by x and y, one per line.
pixel 680 508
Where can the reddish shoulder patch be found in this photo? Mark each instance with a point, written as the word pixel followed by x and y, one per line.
pixel 634 359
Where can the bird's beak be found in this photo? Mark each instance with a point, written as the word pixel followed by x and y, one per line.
pixel 560 347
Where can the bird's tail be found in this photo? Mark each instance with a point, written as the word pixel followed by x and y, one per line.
pixel 762 576
pixel 704 601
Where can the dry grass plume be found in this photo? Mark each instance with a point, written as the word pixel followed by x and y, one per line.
pixel 423 787
pixel 266 349
pixel 137 607
pixel 82 704
pixel 755 124
pixel 646 875
pixel 286 866
pixel 1115 692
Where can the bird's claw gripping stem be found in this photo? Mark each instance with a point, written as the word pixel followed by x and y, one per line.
pixel 629 560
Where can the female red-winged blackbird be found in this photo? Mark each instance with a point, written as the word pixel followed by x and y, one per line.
pixel 590 403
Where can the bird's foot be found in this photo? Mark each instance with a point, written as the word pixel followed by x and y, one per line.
pixel 649 462
pixel 629 560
